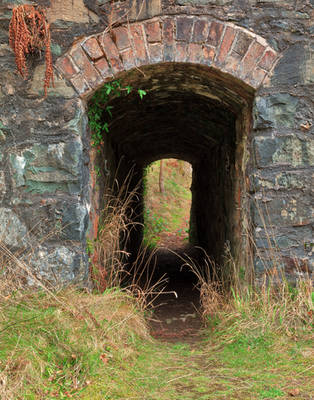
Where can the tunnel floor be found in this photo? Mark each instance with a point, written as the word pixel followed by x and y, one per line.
pixel 175 312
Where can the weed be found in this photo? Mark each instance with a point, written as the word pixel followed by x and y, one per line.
pixel 99 108
pixel 271 393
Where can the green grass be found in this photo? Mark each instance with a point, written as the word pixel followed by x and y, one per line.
pixel 257 345
pixel 97 347
pixel 52 347
pixel 170 372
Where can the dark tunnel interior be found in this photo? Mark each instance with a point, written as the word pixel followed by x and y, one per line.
pixel 192 113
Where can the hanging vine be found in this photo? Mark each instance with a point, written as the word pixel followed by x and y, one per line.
pixel 29 32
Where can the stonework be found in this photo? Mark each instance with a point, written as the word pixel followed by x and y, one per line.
pixel 252 57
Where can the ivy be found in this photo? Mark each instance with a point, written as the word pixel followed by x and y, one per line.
pixel 100 112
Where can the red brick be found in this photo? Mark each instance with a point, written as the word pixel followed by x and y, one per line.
pixel 80 84
pixel 155 52
pixel 208 54
pixel 103 67
pixel 242 43
pixel 181 53
pixel 66 67
pixel 92 48
pixel 195 53
pixel 251 58
pixel 184 28
pixel 257 77
pixel 112 53
pixel 168 39
pixel 168 31
pixel 153 31
pixel 200 31
pixel 128 59
pixel 89 72
pixel 268 60
pixel 215 33
pixel 121 37
pixel 232 62
pixel 139 43
pixel 226 43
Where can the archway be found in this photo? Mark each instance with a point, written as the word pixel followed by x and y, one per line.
pixel 182 117
pixel 200 76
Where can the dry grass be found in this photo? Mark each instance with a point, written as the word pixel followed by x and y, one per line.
pixel 273 304
pixel 111 267
pixel 109 249
pixel 53 342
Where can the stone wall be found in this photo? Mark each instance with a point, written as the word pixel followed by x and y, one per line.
pixel 45 184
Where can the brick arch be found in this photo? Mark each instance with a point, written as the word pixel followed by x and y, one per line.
pixel 190 39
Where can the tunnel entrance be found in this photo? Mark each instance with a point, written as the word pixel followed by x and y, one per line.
pixel 192 113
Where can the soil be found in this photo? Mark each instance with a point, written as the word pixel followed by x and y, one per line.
pixel 173 241
pixel 176 311
pixel 176 315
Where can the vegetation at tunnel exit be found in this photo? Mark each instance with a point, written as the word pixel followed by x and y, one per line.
pixel 167 204
pixel 100 111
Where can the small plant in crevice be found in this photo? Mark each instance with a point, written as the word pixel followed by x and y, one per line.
pixel 29 32
pixel 100 111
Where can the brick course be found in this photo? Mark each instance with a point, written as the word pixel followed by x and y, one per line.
pixel 172 39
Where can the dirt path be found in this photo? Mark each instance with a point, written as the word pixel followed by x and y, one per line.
pixel 176 316
pixel 176 312
pixel 188 361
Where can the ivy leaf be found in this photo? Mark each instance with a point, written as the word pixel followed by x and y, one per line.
pixel 106 127
pixel 108 89
pixel 108 109
pixel 141 93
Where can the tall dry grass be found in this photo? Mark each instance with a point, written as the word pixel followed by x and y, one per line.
pixel 270 303
pixel 274 305
pixel 111 261
pixel 109 249
pixel 55 341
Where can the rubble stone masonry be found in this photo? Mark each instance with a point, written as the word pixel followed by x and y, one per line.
pixel 263 47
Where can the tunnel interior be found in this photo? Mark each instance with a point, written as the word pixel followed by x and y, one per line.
pixel 192 113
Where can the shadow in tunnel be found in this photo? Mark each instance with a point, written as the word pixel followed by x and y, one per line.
pixel 199 115
pixel 175 298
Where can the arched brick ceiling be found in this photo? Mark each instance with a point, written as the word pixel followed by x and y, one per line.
pixel 179 117
pixel 222 46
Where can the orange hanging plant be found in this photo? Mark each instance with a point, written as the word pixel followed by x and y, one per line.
pixel 29 32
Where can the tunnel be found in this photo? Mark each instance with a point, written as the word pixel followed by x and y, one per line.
pixel 192 113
